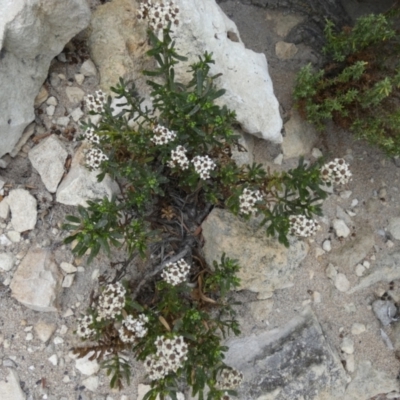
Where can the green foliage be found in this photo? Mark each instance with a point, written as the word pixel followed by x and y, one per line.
pixel 359 90
pixel 201 315
pixel 159 209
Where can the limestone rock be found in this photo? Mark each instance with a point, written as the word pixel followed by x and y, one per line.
pixel 81 184
pixel 44 330
pixel 6 261
pixel 118 43
pixel 86 366
pixel 266 265
pixel 300 137
pixel 23 210
pixel 341 229
pixel 37 281
pixel 369 382
pixel 385 311
pixel 285 51
pixel 88 68
pixel 74 94
pixel 204 27
pixel 357 328
pixel 10 388
pixel 273 369
pixel 28 44
pixel 341 282
pixel 48 158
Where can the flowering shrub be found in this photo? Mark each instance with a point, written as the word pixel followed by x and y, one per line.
pixel 172 165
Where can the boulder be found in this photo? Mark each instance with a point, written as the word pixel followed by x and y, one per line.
pixel 48 158
pixel 32 33
pixel 368 382
pixel 203 26
pixel 37 281
pixel 266 265
pixel 117 44
pixel 291 362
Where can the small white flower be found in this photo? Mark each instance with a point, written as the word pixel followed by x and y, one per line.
pixel 176 273
pixel 229 379
pixel 96 102
pixel 83 329
pixel 133 328
pixel 248 200
pixel 170 355
pixel 162 135
pixel 302 226
pixel 336 172
pixel 111 301
pixel 159 15
pixel 203 165
pixel 178 158
pixel 94 158
pixel 91 136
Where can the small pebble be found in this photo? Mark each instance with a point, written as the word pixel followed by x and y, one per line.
pixel 326 245
pixel 360 269
pixel 346 194
pixel 316 153
pixel 357 328
pixel 317 297
pixel 53 359
pixel 58 340
pixel 342 283
pixel 347 345
pixel 354 202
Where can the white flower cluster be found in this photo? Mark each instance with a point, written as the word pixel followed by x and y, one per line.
pixel 302 226
pixel 133 328
pixel 170 355
pixel 178 157
pixel 83 330
pixel 91 136
pixel 96 102
pixel 162 135
pixel 159 14
pixel 111 301
pixel 94 157
pixel 248 200
pixel 336 172
pixel 203 165
pixel 229 379
pixel 176 273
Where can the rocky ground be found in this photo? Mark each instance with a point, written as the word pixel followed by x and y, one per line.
pixel 339 289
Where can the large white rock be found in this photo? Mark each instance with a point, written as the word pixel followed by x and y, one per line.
pixel 266 265
pixel 204 27
pixel 23 210
pixel 48 158
pixel 32 33
pixel 81 184
pixel 10 388
pixel 37 281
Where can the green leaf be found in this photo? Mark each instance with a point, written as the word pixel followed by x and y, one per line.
pixel 72 218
